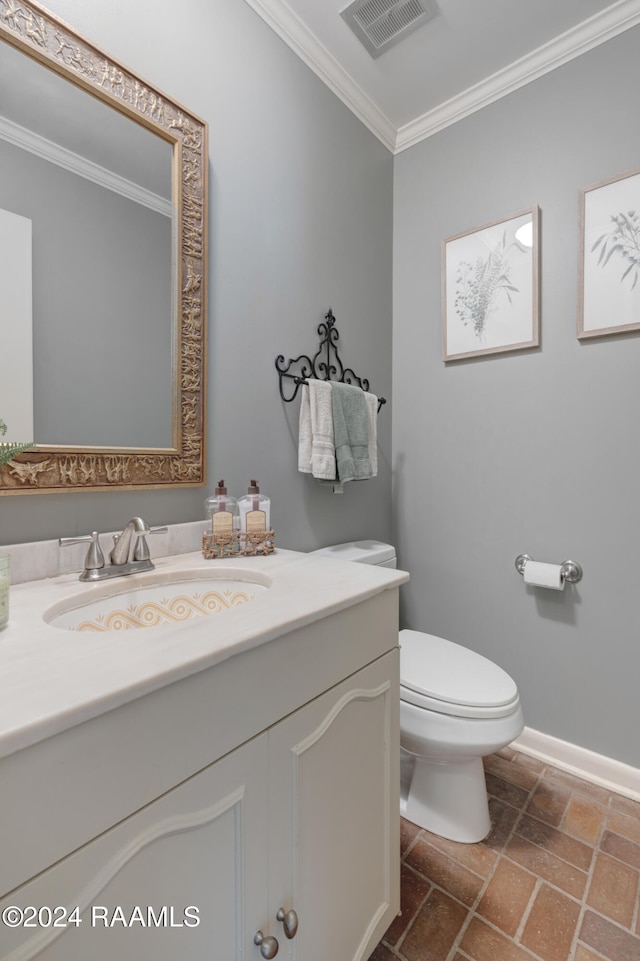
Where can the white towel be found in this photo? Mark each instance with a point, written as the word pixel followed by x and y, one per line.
pixel 372 411
pixel 316 446
pixel 305 439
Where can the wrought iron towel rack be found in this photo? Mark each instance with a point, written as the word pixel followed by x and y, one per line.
pixel 325 363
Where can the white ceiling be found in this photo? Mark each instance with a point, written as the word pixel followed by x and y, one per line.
pixel 470 54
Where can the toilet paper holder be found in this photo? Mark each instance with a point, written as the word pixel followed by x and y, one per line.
pixel 570 571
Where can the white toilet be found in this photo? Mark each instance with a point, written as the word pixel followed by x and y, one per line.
pixel 455 708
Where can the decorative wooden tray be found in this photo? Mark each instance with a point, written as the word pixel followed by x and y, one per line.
pixel 238 544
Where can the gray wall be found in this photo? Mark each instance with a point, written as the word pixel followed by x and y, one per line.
pixel 300 220
pixel 535 452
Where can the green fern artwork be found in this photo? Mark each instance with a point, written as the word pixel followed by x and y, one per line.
pixel 8 450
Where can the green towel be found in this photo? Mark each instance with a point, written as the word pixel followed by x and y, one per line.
pixel 351 432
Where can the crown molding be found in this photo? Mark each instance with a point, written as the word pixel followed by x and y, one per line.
pixel 288 25
pixel 591 33
pixel 573 43
pixel 26 139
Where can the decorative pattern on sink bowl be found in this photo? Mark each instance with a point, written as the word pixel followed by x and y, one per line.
pixel 155 605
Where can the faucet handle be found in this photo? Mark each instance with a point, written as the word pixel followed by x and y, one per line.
pixel 95 558
pixel 141 550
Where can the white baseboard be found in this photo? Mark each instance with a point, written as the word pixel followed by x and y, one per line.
pixel 604 771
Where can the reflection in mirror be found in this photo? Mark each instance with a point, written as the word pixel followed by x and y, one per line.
pixel 16 340
pixel 117 199
pixel 102 297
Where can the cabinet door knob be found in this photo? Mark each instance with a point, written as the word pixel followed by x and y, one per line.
pixel 289 920
pixel 268 946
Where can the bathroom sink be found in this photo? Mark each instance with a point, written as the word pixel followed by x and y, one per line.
pixel 154 600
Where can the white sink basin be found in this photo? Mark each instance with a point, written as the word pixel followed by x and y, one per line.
pixel 154 600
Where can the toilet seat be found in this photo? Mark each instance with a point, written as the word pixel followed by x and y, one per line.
pixel 438 675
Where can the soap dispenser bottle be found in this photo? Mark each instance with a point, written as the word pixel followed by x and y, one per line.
pixel 222 510
pixel 255 511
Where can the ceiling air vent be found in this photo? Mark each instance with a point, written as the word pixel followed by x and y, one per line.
pixel 380 24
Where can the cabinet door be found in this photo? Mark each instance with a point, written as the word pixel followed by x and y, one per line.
pixel 185 877
pixel 334 817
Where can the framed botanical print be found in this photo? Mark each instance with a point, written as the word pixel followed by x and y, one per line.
pixel 490 301
pixel 609 259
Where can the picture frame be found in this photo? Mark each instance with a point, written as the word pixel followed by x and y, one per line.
pixel 609 257
pixel 490 288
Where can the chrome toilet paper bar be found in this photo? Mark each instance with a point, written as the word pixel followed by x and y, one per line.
pixel 571 571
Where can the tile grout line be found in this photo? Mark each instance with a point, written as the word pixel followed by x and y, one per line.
pixel 494 927
pixel 635 920
pixel 580 901
pixel 422 903
pixel 401 939
pixel 470 909
pixel 471 913
pixel 574 794
pixel 516 939
pixel 528 909
pixel 630 930
pixel 583 901
pixel 550 884
pixel 456 946
pixel 539 880
pixel 574 837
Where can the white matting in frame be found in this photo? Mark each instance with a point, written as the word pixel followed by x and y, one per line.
pixel 490 300
pixel 609 259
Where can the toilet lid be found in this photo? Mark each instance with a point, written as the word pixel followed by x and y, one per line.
pixel 364 552
pixel 441 675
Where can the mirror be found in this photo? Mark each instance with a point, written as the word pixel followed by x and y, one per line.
pixel 112 175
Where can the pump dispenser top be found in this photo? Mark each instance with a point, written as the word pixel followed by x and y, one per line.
pixel 222 510
pixel 255 510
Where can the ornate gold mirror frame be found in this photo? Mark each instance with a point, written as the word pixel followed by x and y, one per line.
pixel 39 35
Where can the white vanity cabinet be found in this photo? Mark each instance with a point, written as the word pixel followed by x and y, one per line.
pixel 197 857
pixel 301 816
pixel 334 818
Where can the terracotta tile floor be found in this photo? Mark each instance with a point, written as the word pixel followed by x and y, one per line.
pixel 556 880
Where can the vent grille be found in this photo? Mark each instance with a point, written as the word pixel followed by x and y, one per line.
pixel 380 24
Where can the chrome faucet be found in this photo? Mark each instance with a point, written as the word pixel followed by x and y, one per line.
pixel 129 555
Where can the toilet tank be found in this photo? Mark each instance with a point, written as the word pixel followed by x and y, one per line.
pixel 363 552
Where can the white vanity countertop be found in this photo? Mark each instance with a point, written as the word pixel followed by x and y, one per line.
pixel 52 679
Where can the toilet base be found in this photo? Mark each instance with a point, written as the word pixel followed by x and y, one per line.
pixel 448 799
